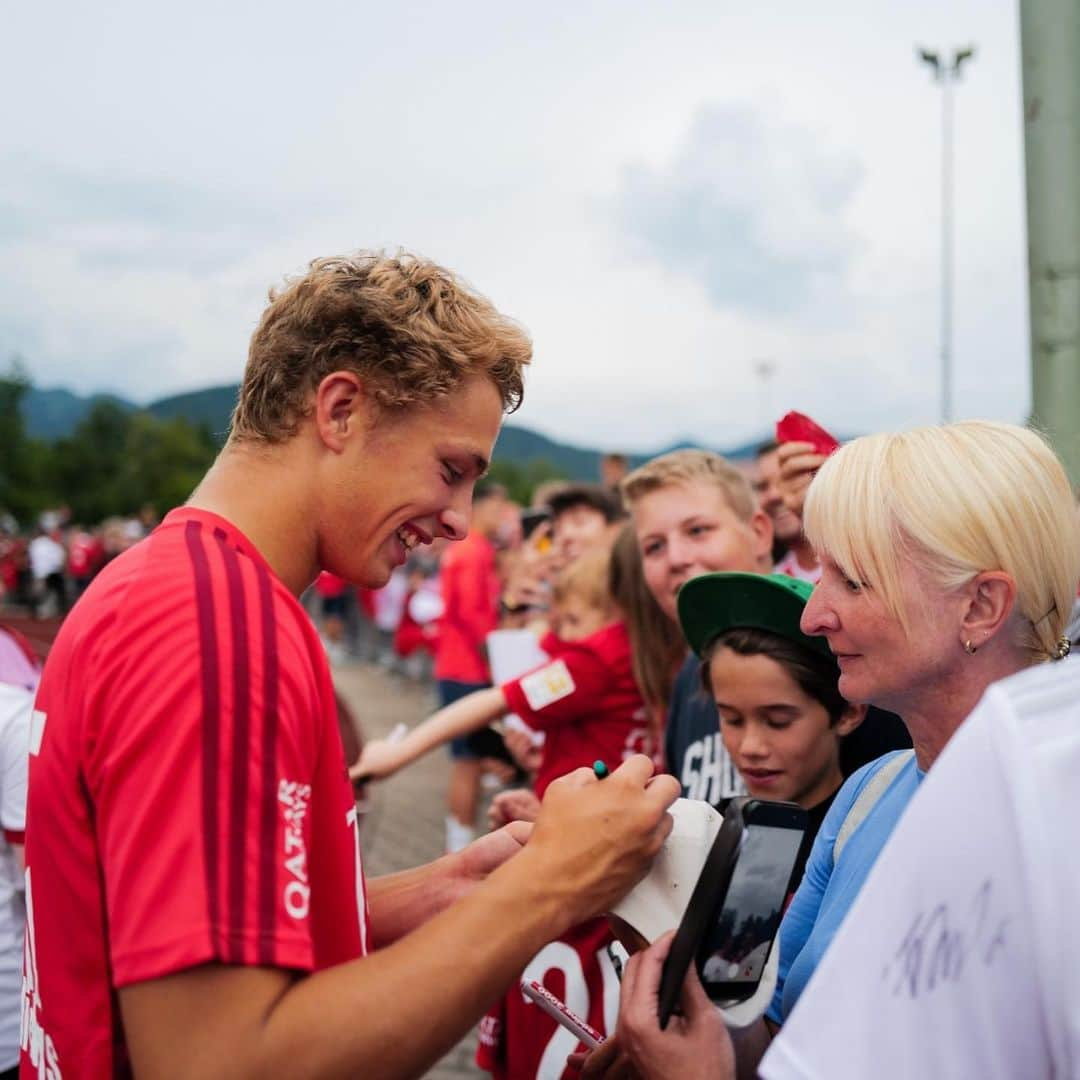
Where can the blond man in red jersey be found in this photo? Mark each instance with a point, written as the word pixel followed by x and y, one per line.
pixel 196 904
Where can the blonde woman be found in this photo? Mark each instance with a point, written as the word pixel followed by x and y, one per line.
pixel 950 560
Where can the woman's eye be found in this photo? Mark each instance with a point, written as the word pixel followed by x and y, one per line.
pixel 698 530
pixel 450 474
pixel 650 549
pixel 852 586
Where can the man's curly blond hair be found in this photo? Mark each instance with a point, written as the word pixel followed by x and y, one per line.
pixel 411 329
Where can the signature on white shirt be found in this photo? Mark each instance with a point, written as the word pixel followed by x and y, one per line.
pixel 940 946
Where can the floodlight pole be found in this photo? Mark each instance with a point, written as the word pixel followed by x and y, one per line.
pixel 945 74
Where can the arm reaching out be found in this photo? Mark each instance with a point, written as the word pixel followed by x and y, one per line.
pixel 382 758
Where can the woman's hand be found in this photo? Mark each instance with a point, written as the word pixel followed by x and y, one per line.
pixel 694 1046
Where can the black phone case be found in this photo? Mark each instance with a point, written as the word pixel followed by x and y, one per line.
pixel 712 883
pixel 710 890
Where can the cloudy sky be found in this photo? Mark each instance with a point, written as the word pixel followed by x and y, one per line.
pixel 664 194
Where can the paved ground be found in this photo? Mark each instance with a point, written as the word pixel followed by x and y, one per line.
pixel 405 826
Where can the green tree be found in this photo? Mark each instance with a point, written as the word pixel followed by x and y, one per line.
pixel 115 462
pixel 22 459
pixel 520 478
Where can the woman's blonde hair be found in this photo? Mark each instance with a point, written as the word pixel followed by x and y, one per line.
pixel 956 501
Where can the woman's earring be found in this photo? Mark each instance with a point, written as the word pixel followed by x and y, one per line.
pixel 970 649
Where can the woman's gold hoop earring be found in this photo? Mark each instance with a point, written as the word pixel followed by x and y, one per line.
pixel 970 649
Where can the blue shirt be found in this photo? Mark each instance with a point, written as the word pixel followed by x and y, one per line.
pixel 827 891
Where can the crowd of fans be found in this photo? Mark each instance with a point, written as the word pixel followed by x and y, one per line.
pixel 815 628
pixel 44 571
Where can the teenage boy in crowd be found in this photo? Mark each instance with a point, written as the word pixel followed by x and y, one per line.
pixel 196 904
pixel 694 513
pixel 796 557
pixel 470 585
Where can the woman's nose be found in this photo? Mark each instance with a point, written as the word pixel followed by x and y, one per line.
pixel 817 617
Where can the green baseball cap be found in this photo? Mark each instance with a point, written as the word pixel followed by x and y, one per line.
pixel 713 603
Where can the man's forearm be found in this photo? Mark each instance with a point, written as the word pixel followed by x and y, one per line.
pixel 381 1009
pixel 401 902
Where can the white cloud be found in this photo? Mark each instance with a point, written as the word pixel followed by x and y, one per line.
pixel 661 195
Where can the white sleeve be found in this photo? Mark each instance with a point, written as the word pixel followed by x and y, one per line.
pixel 935 971
pixel 16 708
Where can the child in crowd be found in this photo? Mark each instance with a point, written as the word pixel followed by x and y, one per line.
pixel 782 717
pixel 585 698
pixel 587 702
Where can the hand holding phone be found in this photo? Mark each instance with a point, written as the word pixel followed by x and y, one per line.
pixel 734 912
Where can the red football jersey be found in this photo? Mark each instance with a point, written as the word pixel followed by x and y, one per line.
pixel 188 798
pixel 586 700
pixel 519 1041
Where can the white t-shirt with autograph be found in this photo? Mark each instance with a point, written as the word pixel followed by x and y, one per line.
pixel 961 956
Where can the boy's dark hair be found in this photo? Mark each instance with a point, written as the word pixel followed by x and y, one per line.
pixel 815 673
pixel 594 496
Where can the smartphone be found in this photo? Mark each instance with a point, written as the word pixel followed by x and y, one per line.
pixel 731 921
pixel 532 519
pixel 797 427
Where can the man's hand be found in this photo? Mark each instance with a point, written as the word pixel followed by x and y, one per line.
pixel 519 804
pixel 694 1046
pixel 595 839
pixel 528 583
pixel 798 466
pixel 488 853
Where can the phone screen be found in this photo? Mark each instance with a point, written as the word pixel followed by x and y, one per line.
pixel 737 943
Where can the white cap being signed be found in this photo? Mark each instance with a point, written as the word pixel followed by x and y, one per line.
pixel 656 904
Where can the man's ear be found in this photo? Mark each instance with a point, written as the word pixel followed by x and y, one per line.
pixel 991 597
pixel 341 409
pixel 762 527
pixel 850 719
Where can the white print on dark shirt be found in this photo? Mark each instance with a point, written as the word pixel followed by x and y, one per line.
pixel 294 799
pixel 708 773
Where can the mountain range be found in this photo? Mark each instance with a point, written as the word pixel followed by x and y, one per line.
pixel 52 414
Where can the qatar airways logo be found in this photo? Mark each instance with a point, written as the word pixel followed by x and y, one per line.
pixel 293 799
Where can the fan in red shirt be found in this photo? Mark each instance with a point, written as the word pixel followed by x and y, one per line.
pixel 195 904
pixel 470 584
pixel 584 697
pixel 586 701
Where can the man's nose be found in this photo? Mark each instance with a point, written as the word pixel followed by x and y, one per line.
pixel 454 520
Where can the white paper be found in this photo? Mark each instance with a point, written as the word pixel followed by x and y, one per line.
pixel 656 904
pixel 512 653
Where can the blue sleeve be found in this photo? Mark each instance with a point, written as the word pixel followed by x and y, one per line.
pixel 803 910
